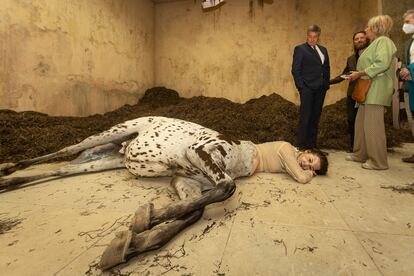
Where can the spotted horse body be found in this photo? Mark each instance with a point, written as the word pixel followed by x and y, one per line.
pixel 202 162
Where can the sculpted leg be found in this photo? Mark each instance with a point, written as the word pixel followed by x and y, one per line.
pixel 140 238
pixel 109 136
pixel 200 156
pixel 160 225
pixel 101 158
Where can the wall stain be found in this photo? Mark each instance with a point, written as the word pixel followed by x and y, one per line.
pixel 54 64
pixel 42 69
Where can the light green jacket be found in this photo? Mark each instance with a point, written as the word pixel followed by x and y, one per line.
pixel 378 61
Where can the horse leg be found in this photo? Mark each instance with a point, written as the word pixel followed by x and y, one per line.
pixel 138 240
pixel 108 136
pixel 100 158
pixel 156 225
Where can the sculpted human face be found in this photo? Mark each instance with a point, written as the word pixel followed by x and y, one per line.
pixel 360 41
pixel 309 161
pixel 312 38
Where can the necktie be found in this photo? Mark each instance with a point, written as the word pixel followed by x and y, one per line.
pixel 317 53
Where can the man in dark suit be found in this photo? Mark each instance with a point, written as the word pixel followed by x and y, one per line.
pixel 311 72
pixel 408 59
pixel 360 43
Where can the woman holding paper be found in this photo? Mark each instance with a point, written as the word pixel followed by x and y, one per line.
pixel 375 63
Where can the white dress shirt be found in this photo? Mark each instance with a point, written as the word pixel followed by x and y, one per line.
pixel 319 52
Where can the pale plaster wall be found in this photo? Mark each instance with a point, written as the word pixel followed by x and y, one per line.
pixel 75 57
pixel 396 12
pixel 84 57
pixel 241 50
pixel 369 9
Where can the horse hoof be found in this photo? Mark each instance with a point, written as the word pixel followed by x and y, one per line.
pixel 5 168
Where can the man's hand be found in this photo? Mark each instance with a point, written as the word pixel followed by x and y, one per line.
pixel 405 74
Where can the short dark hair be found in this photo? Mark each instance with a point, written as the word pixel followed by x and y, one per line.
pixel 323 162
pixel 314 28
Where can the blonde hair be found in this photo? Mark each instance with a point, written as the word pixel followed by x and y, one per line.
pixel 381 24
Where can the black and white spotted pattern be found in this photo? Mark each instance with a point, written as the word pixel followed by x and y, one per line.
pixel 203 164
pixel 166 147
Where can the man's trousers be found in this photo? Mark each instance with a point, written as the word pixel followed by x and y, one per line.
pixel 311 103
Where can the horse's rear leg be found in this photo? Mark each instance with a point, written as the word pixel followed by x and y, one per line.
pixel 108 136
pixel 101 158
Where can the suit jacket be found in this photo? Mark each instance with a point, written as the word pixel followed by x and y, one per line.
pixel 407 46
pixel 406 59
pixel 308 70
pixel 351 64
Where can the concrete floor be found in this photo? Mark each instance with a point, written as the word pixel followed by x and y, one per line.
pixel 344 224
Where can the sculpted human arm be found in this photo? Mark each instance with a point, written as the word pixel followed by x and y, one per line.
pixel 290 163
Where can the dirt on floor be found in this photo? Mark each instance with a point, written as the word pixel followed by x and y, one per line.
pixel 30 134
pixel 7 224
pixel 409 188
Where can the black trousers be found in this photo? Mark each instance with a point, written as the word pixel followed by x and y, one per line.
pixel 351 112
pixel 311 103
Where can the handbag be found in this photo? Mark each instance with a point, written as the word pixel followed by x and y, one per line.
pixel 361 90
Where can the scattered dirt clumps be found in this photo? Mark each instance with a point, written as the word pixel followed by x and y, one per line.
pixel 7 224
pixel 30 134
pixel 409 188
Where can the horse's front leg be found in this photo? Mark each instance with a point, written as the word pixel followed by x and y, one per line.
pixel 156 225
pixel 138 239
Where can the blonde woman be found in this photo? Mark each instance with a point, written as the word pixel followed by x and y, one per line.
pixel 375 63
